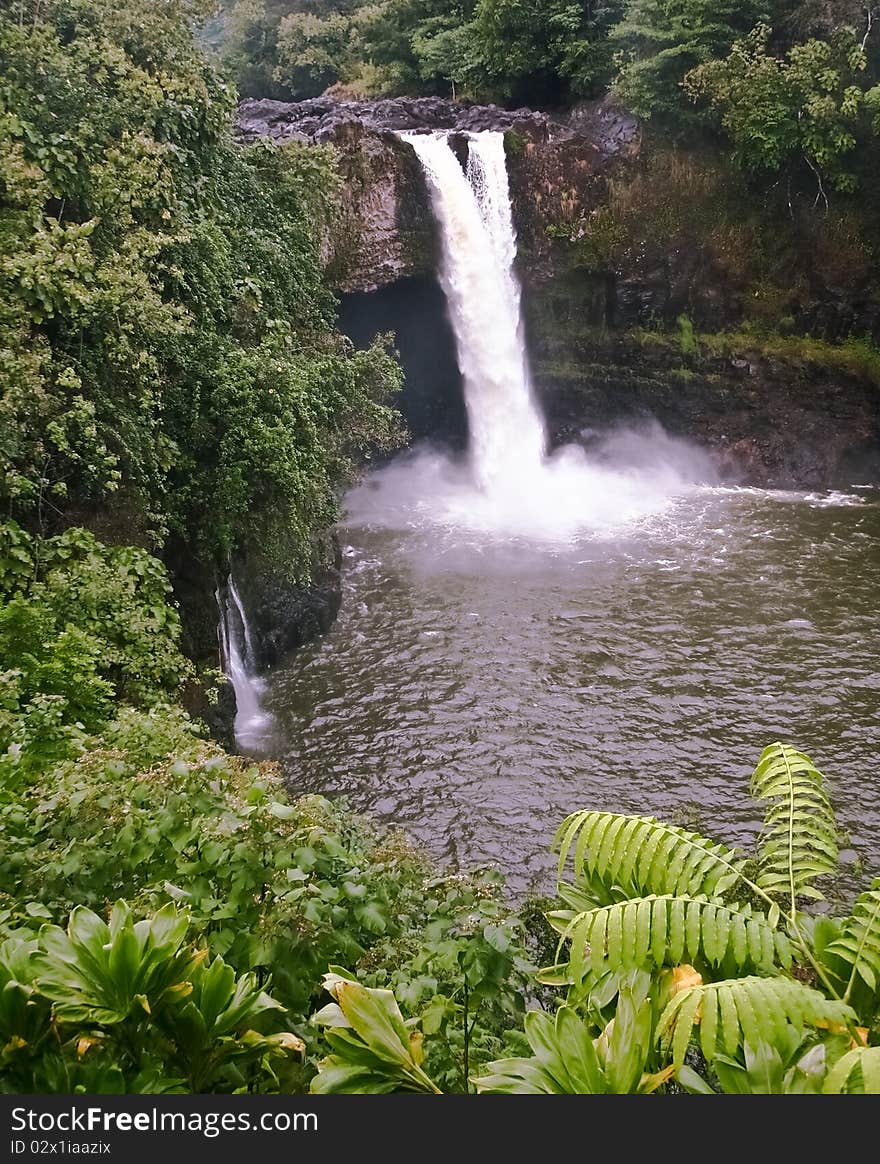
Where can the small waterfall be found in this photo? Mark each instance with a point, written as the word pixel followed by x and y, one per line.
pixel 507 438
pixel 238 661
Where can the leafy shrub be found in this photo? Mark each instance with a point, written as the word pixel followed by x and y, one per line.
pixel 151 811
pixel 83 627
pixel 167 338
pixel 681 950
pixel 131 1006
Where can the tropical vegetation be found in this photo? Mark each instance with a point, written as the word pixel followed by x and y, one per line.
pixel 173 387
pixel 688 966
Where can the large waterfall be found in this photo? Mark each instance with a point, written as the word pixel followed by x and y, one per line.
pixel 479 249
pixel 513 485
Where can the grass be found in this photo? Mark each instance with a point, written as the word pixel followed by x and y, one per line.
pixel 858 356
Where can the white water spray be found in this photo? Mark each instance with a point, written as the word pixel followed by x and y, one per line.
pixel 238 659
pixel 512 485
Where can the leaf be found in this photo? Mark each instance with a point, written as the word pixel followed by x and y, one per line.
pixel 373 1050
pixel 644 856
pixel 564 1060
pixel 664 931
pixel 857 1072
pixel 798 841
pixel 752 1009
pixel 858 944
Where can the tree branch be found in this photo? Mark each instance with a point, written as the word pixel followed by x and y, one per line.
pixel 821 192
pixel 869 12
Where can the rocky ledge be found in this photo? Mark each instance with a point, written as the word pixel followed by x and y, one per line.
pixel 383 229
pixel 323 119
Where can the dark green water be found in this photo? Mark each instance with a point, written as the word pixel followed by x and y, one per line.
pixel 478 688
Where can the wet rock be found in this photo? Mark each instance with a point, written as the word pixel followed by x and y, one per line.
pixel 283 615
pixel 322 118
pixel 614 130
pixel 766 421
pixel 217 714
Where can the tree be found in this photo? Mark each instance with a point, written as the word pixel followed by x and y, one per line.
pixel 557 48
pixel 167 338
pixel 660 41
pixel 779 111
pixel 313 53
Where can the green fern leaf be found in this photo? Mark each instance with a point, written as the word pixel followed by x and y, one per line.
pixel 666 931
pixel 858 946
pixel 640 855
pixel 746 1010
pixel 799 839
pixel 857 1073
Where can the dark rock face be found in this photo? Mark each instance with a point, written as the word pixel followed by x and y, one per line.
pixel 414 309
pixel 218 716
pixel 323 118
pixel 283 616
pixel 766 421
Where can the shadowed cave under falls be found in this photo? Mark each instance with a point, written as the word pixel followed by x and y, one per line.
pixel 525 633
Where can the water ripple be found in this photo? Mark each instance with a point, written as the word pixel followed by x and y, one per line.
pixel 475 694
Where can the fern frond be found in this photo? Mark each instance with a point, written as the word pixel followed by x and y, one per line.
pixel 857 1073
pixel 858 946
pixel 642 855
pixel 746 1010
pixel 668 930
pixel 799 839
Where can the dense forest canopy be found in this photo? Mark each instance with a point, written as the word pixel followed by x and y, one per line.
pixel 167 337
pixel 518 51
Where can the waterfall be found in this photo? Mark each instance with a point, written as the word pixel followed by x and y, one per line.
pixel 507 438
pixel 237 650
pixel 513 484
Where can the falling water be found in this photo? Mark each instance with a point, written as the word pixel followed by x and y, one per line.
pixel 238 660
pixel 507 437
pixel 513 484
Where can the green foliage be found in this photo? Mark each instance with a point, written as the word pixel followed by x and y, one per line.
pixel 633 906
pixel 856 1073
pixel 485 49
pixel 660 42
pixel 312 53
pixel 754 1007
pixel 150 811
pixel 687 340
pixel 552 49
pixel 853 952
pixel 131 1006
pixel 799 839
pixel 166 334
pixel 746 1010
pixel 82 627
pixel 654 932
pixel 374 1051
pixel 619 856
pixel 777 110
pixel 792 1067
pixel 855 356
pixel 569 1060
